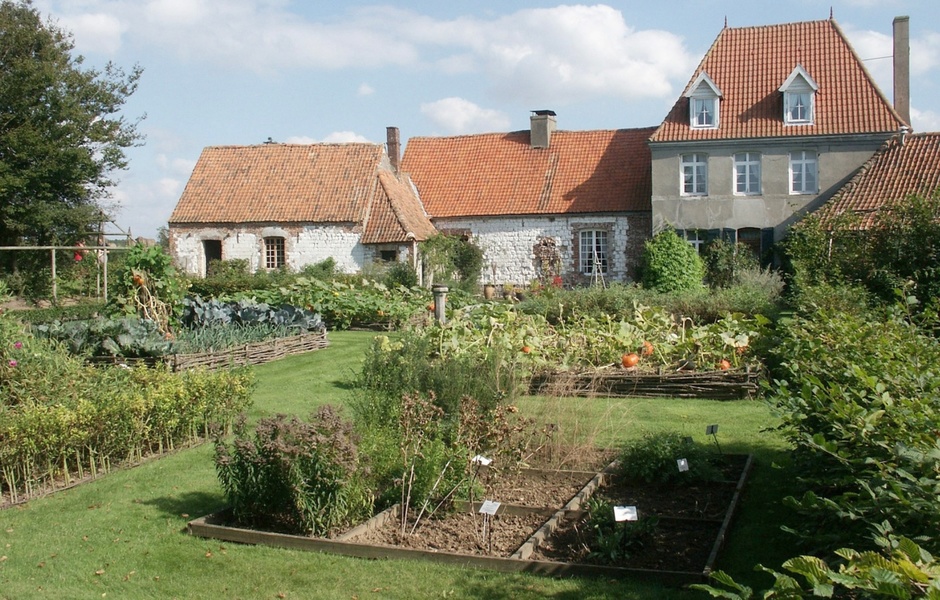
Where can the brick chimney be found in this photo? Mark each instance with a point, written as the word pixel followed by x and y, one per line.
pixel 902 68
pixel 393 147
pixel 542 123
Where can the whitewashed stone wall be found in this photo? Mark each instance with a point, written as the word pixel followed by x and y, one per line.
pixel 508 243
pixel 303 245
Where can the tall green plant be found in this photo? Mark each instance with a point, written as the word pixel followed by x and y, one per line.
pixel 670 264
pixel 292 475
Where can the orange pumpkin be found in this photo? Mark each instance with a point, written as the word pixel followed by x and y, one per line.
pixel 630 360
pixel 724 365
pixel 647 349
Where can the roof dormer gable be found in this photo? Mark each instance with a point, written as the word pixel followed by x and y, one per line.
pixel 704 100
pixel 799 97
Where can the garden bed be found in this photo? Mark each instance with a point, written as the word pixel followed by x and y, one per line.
pixel 255 353
pixel 732 384
pixel 535 528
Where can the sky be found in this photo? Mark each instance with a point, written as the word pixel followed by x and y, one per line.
pixel 240 72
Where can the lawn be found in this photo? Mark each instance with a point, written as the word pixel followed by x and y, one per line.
pixel 124 535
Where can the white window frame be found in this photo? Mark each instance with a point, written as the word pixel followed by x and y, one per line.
pixel 275 252
pixel 694 164
pixel 747 164
pixel 704 101
pixel 799 107
pixel 704 114
pixel 799 97
pixel 800 163
pixel 695 238
pixel 589 241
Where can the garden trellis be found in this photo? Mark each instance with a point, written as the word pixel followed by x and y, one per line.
pixel 101 256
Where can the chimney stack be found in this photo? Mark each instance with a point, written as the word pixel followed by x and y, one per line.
pixel 902 68
pixel 393 147
pixel 542 124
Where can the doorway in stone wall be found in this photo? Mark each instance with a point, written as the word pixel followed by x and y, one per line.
pixel 212 250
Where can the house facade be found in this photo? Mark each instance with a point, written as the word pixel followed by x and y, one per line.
pixel 774 121
pixel 540 203
pixel 284 205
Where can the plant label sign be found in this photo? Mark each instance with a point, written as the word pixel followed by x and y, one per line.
pixel 625 513
pixel 683 464
pixel 481 460
pixel 489 507
pixel 711 430
pixel 687 439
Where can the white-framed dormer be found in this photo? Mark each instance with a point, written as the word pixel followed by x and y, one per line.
pixel 704 102
pixel 799 97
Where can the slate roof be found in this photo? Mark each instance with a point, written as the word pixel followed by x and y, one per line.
pixel 896 171
pixel 301 183
pixel 500 174
pixel 749 64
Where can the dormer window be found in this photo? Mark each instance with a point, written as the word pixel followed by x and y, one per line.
pixel 799 98
pixel 704 99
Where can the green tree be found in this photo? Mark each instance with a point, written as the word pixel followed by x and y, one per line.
pixel 60 132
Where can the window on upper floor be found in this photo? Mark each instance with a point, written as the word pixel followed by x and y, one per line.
pixel 592 252
pixel 799 98
pixel 747 173
pixel 704 101
pixel 274 257
pixel 694 174
pixel 803 172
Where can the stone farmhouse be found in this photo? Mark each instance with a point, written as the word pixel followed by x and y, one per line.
pixel 774 122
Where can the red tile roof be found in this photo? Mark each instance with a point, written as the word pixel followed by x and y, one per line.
pixel 501 174
pixel 399 216
pixel 311 183
pixel 749 64
pixel 897 171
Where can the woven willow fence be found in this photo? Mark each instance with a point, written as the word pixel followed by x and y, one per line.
pixel 712 385
pixel 255 353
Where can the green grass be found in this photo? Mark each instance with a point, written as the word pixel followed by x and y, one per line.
pixel 123 536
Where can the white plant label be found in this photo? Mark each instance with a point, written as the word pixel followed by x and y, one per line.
pixel 711 430
pixel 481 460
pixel 683 465
pixel 489 507
pixel 625 513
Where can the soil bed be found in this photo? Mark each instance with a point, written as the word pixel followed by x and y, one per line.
pixel 460 533
pixel 535 487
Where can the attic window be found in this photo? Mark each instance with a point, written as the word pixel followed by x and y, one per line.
pixel 704 100
pixel 799 98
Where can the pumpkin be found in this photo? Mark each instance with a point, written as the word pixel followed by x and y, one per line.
pixel 630 360
pixel 724 365
pixel 647 349
pixel 526 349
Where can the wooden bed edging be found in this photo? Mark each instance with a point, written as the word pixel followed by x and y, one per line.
pixel 255 353
pixel 713 385
pixel 211 527
pixel 204 528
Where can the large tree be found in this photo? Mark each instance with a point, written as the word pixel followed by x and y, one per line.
pixel 61 137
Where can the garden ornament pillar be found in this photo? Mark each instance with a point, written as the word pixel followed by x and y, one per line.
pixel 440 302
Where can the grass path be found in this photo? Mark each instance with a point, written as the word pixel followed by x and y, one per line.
pixel 123 536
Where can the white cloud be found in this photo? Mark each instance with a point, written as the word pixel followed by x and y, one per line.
pixel 456 115
pixel 95 32
pixel 925 53
pixel 337 137
pixel 545 55
pixel 365 89
pixel 176 166
pixel 925 120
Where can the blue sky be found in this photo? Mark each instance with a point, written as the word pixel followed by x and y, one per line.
pixel 220 72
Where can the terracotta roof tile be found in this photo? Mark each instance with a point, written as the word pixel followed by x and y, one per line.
pixel 898 170
pixel 396 214
pixel 749 64
pixel 280 183
pixel 501 174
